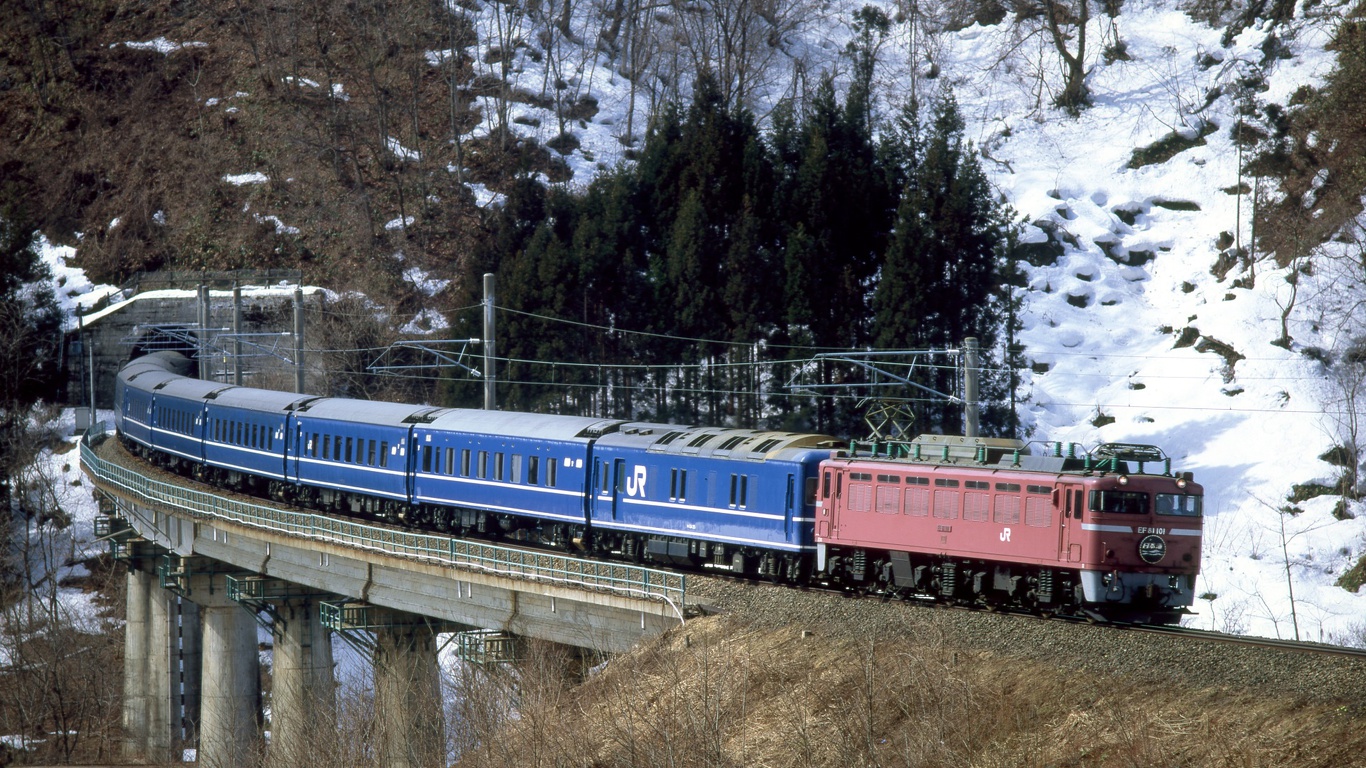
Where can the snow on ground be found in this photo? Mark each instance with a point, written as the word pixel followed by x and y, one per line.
pixel 50 553
pixel 1249 434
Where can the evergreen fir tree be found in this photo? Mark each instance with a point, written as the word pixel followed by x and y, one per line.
pixel 939 274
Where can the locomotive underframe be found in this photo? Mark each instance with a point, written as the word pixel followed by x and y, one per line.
pixel 996 585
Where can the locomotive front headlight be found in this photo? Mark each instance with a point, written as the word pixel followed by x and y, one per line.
pixel 1181 483
pixel 1123 479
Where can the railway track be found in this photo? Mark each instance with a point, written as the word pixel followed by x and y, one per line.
pixel 1301 646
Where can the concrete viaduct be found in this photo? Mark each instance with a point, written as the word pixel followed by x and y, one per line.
pixel 204 569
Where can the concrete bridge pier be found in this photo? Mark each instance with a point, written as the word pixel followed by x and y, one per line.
pixel 229 724
pixel 408 713
pixel 303 689
pixel 172 680
pixel 136 688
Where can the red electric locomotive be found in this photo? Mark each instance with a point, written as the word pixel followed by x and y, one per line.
pixel 1111 534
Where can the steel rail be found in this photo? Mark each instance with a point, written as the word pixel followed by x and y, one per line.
pixel 1208 635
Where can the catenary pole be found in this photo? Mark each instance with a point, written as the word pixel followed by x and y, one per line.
pixel 490 375
pixel 971 371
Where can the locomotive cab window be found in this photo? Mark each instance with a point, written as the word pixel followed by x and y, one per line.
pixel 1180 504
pixel 1119 502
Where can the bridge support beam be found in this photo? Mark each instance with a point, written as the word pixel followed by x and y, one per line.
pixel 408 710
pixel 136 649
pixel 229 726
pixel 303 690
pixel 173 664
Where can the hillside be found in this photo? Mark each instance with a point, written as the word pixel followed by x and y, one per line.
pixel 787 678
pixel 1193 274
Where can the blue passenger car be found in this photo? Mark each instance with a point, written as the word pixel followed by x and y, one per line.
pixel 177 425
pixel 506 463
pixel 745 490
pixel 350 447
pixel 247 430
pixel 133 394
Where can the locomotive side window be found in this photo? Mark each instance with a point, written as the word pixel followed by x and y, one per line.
pixel 682 485
pixel 825 485
pixel 464 462
pixel 516 468
pixel 550 473
pixel 1179 504
pixel 498 466
pixel 533 466
pixel 426 456
pixel 1119 502
pixel 384 453
pixel 483 464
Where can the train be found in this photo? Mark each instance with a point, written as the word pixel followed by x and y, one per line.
pixel 1109 534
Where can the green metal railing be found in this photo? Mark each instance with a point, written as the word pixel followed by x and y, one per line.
pixel 543 567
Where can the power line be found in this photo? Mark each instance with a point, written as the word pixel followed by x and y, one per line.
pixel 650 334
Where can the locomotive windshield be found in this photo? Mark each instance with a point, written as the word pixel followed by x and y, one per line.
pixel 1119 502
pixel 1179 504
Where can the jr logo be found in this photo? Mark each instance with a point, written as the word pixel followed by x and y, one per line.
pixel 1005 535
pixel 635 484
